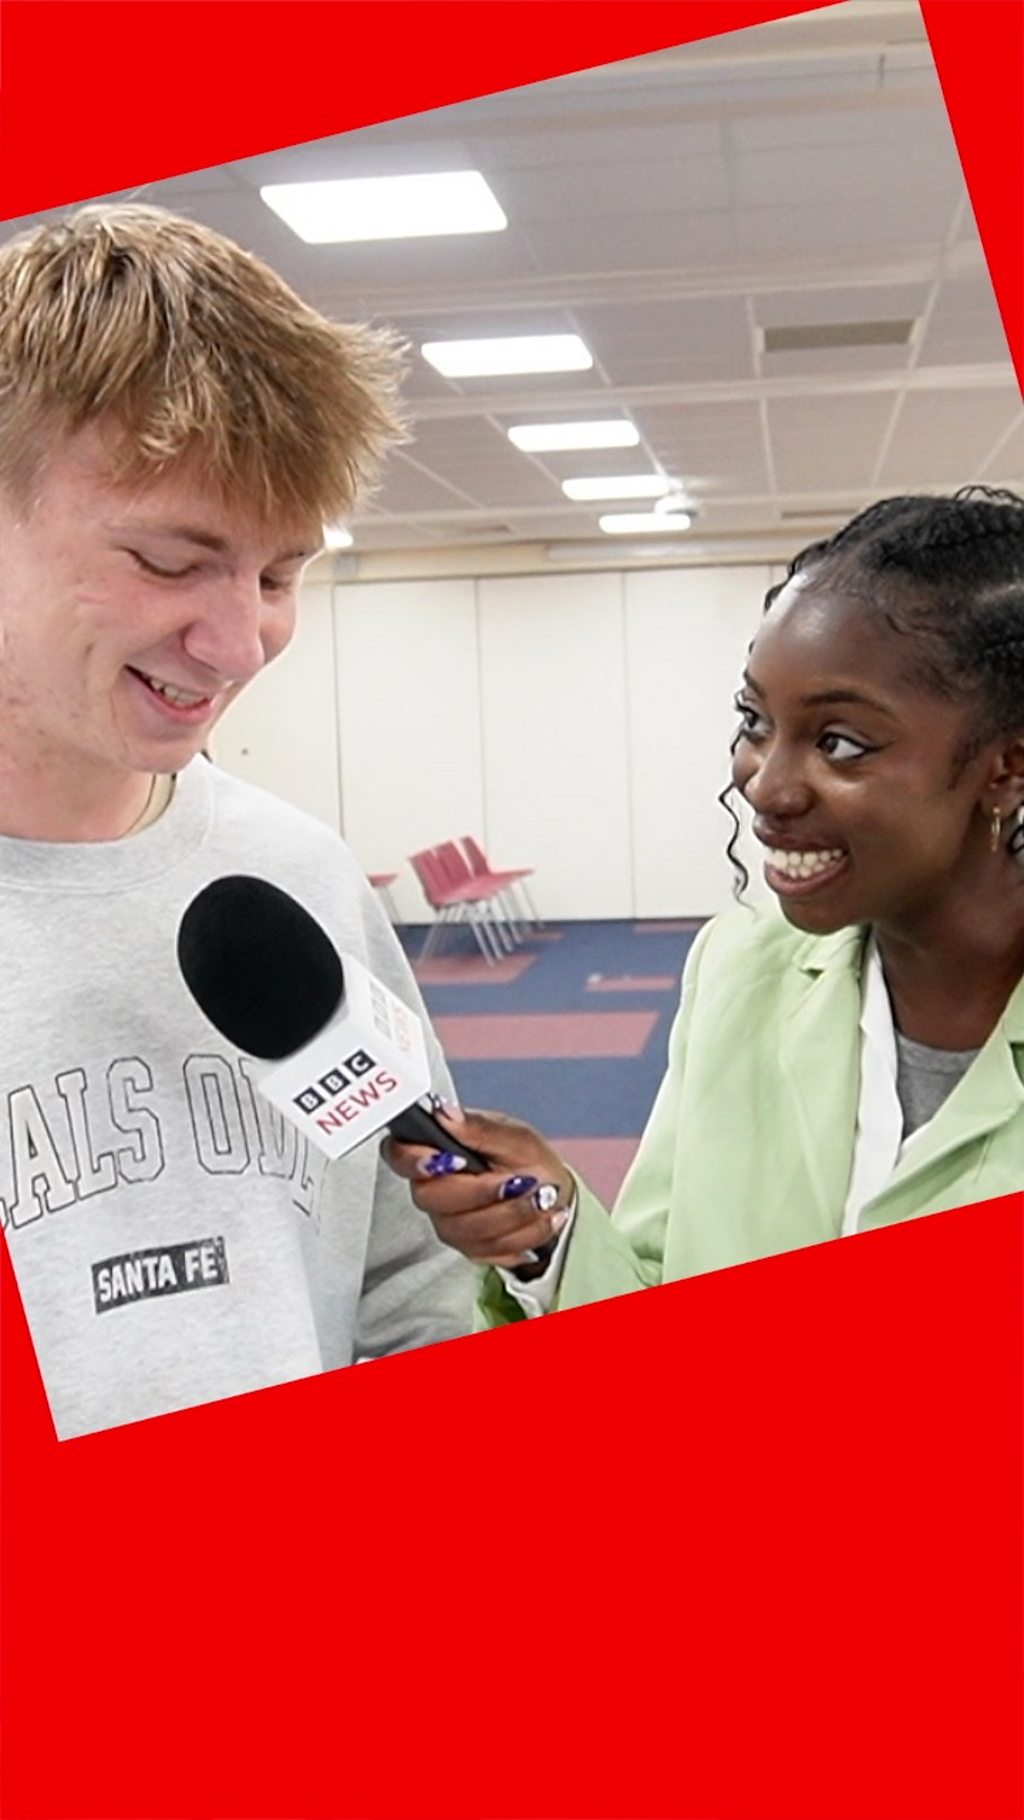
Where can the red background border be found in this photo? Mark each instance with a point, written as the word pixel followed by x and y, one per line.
pixel 746 1546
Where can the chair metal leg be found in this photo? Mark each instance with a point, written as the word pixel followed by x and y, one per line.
pixel 496 929
pixel 524 894
pixel 486 944
pixel 433 937
pixel 499 920
pixel 512 917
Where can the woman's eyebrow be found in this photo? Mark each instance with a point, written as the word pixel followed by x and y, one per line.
pixel 829 697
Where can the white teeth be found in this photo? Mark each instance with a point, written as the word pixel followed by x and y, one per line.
pixel 181 697
pixel 803 865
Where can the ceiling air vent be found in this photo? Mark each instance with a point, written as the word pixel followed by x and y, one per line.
pixel 799 336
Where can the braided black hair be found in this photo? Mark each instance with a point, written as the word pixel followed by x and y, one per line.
pixel 948 573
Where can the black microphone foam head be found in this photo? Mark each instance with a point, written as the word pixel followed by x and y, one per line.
pixel 260 967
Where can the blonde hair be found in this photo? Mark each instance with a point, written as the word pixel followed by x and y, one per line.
pixel 194 349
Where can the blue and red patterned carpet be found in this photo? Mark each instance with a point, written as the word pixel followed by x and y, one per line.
pixel 569 1033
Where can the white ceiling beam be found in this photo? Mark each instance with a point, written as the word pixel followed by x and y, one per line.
pixel 568 290
pixel 982 376
pixel 842 500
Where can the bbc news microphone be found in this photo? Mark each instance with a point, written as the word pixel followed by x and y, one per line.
pixel 351 1061
pixel 352 1055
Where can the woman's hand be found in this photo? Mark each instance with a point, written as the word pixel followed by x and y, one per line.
pixel 497 1218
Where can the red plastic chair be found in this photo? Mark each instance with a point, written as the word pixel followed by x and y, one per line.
pixel 514 879
pixel 458 872
pixel 454 903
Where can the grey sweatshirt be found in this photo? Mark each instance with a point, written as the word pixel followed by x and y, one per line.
pixel 173 1239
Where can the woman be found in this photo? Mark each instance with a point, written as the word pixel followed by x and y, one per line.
pixel 858 1059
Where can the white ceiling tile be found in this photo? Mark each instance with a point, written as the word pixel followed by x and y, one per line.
pixel 916 118
pixel 965 324
pixel 859 230
pixel 440 442
pixel 706 338
pixel 675 241
pixel 627 187
pixel 1006 468
pixel 831 443
pixel 708 446
pixel 338 276
pixel 941 438
pixel 406 487
pixel 834 83
pixel 598 146
pixel 513 483
pixel 909 170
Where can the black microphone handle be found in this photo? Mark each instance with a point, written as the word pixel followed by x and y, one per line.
pixel 414 1126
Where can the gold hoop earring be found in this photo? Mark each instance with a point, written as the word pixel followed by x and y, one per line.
pixel 996 830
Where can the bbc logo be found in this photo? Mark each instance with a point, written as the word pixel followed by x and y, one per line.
pixel 335 1081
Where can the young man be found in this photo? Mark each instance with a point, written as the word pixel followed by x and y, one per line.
pixel 176 426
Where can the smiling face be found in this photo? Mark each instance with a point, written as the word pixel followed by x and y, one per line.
pixel 855 772
pixel 130 619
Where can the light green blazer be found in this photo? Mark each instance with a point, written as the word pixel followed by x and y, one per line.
pixel 750 1144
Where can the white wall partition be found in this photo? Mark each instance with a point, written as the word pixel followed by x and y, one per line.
pixel 579 723
pixel 687 631
pixel 282 732
pixel 555 738
pixel 409 722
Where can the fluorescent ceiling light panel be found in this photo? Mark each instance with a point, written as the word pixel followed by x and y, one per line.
pixel 613 433
pixel 618 486
pixel 337 538
pixel 621 524
pixel 508 354
pixel 386 208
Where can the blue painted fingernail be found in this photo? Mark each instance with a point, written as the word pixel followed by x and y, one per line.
pixel 443 1163
pixel 515 1185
